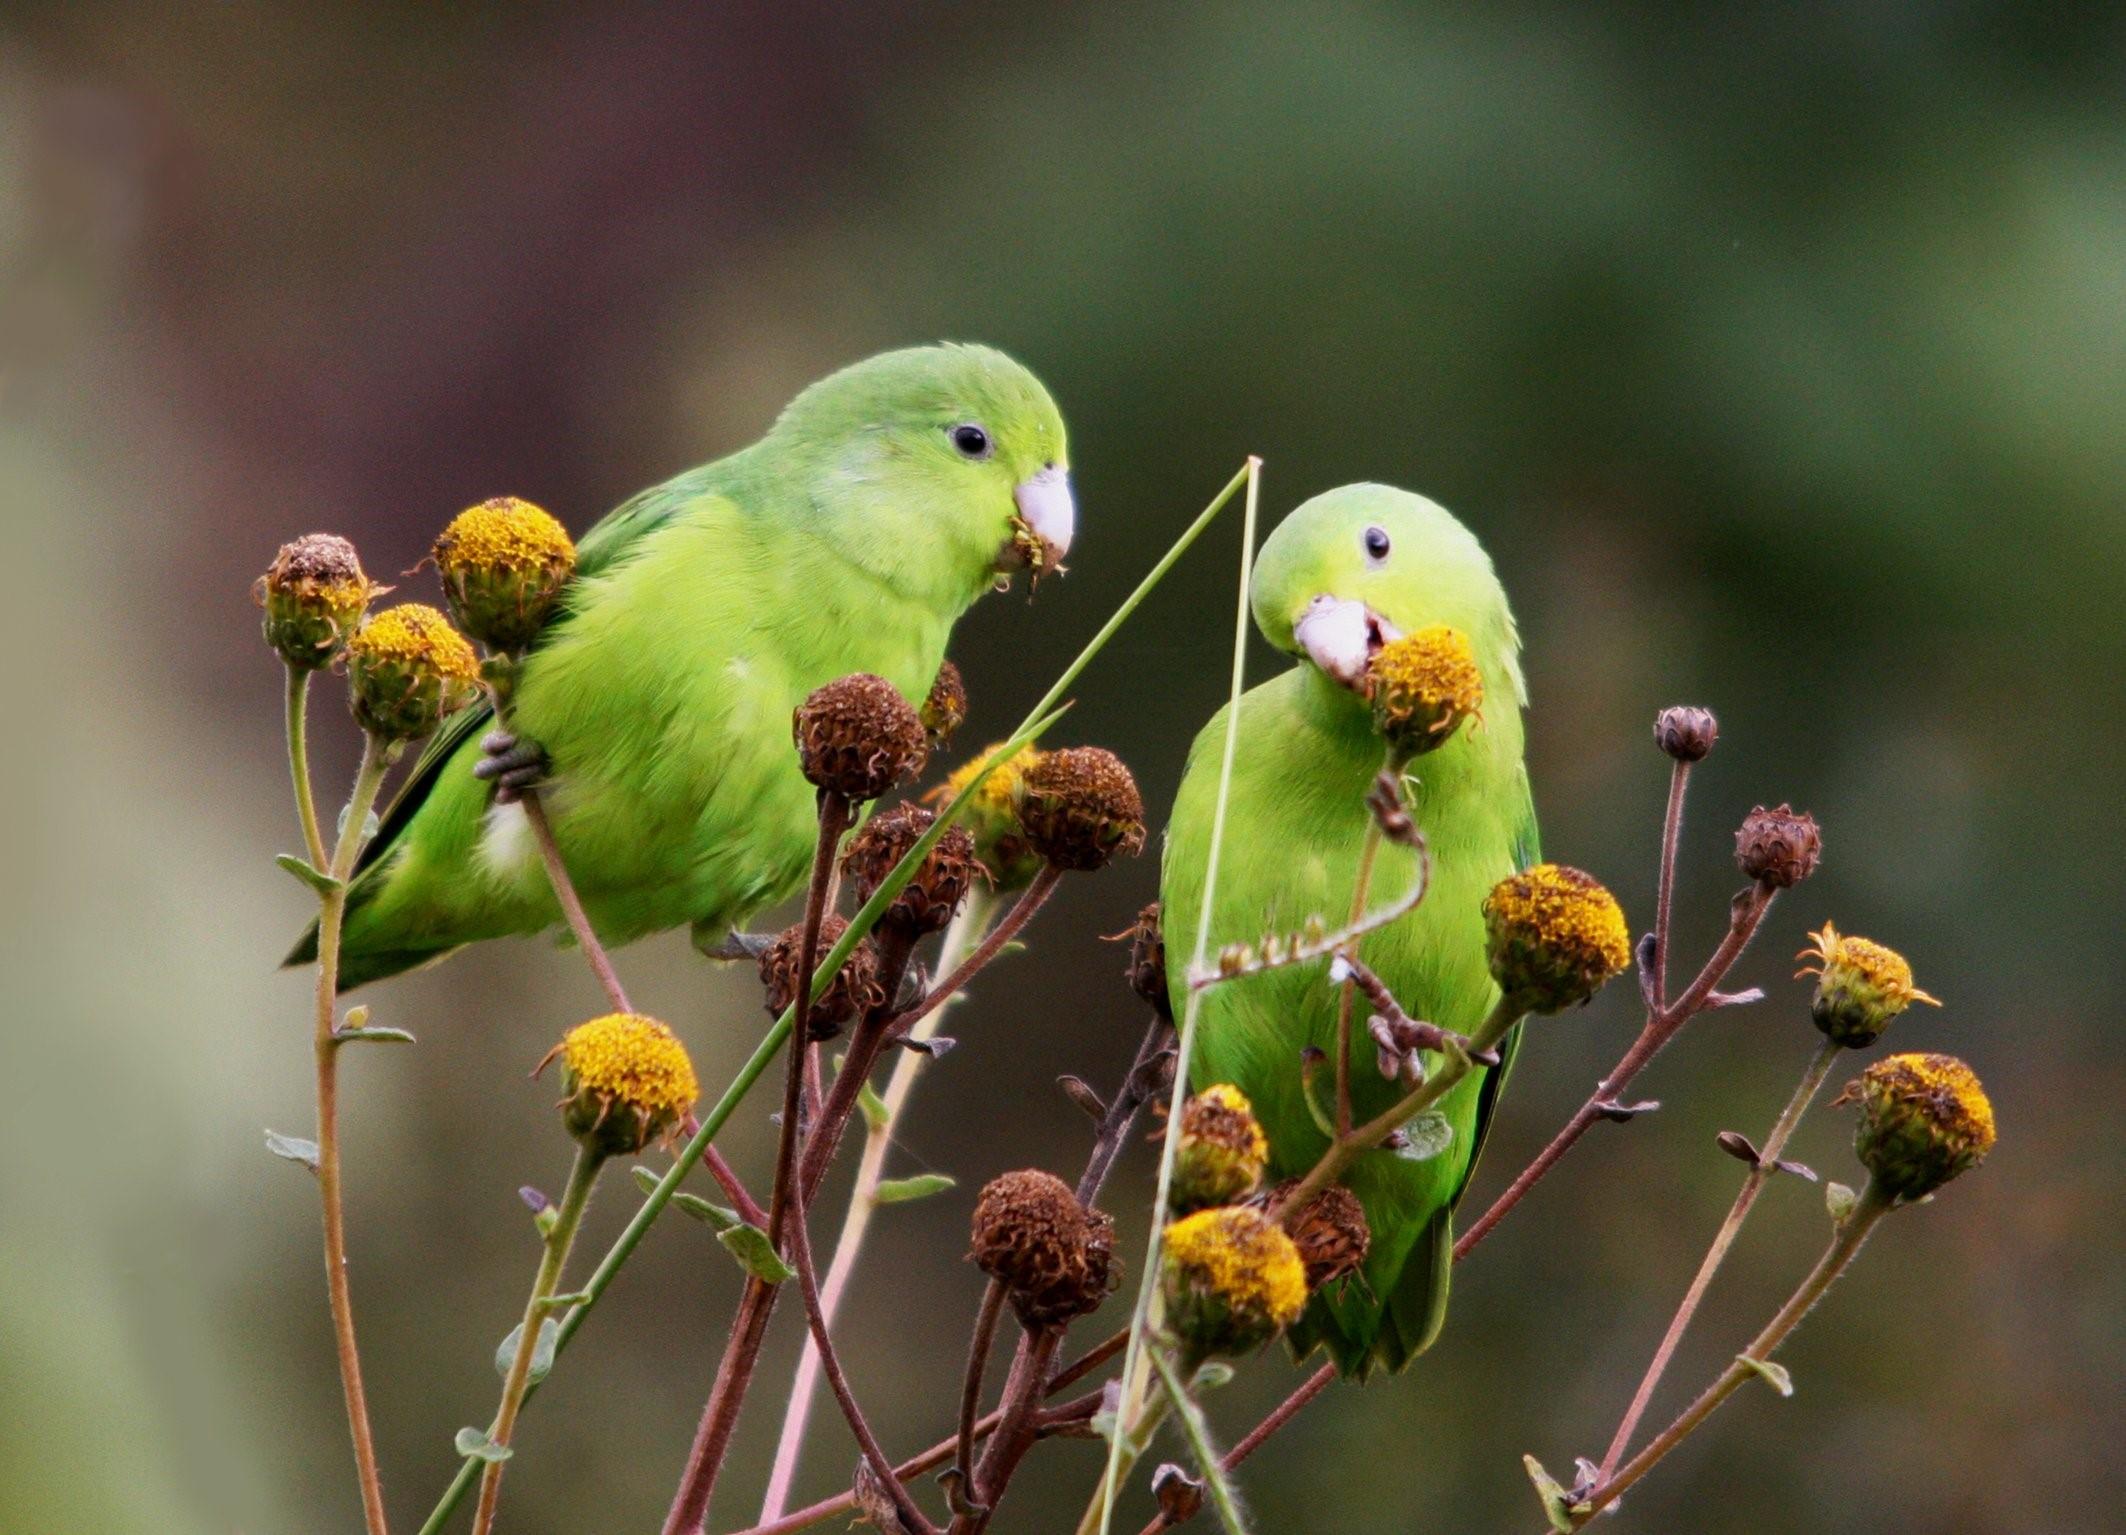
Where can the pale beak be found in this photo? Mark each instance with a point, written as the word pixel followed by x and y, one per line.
pixel 1049 515
pixel 1342 637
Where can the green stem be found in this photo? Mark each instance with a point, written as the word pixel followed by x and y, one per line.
pixel 1753 1182
pixel 1846 1243
pixel 1130 1443
pixel 1198 1435
pixel 299 765
pixel 377 757
pixel 568 1216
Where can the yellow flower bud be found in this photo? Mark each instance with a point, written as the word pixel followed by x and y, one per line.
pixel 1860 986
pixel 1424 685
pixel 1232 1278
pixel 628 1082
pixel 407 668
pixel 503 564
pixel 314 594
pixel 1220 1155
pixel 1924 1120
pixel 992 816
pixel 1555 937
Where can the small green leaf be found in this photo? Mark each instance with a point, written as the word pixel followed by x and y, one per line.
pixel 565 1300
pixel 474 1444
pixel 1839 1200
pixel 293 1148
pixel 718 1217
pixel 755 1254
pixel 309 873
pixel 900 1191
pixel 1211 1376
pixel 542 1352
pixel 646 1180
pixel 1774 1375
pixel 874 1108
pixel 380 1035
pixel 1557 1503
pixel 1425 1137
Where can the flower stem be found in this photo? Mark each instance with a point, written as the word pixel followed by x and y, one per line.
pixel 1194 1430
pixel 968 925
pixel 1753 1182
pixel 1660 1027
pixel 560 1237
pixel 299 765
pixel 1283 1413
pixel 571 904
pixel 1671 834
pixel 377 757
pixel 1022 912
pixel 985 1332
pixel 1845 1245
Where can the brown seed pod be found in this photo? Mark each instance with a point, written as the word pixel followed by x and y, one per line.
pixel 1778 848
pixel 857 737
pixel 1685 733
pixel 1330 1233
pixel 1054 1257
pixel 945 709
pixel 1080 807
pixel 926 903
pixel 855 989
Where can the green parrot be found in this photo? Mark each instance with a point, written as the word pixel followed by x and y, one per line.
pixel 1345 573
pixel 654 709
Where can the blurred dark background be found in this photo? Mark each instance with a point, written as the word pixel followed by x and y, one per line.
pixel 1777 351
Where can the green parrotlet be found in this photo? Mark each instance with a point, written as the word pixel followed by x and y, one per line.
pixel 885 500
pixel 1345 573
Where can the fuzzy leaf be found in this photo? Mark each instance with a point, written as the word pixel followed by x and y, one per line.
pixel 293 1148
pixel 381 1035
pixel 542 1351
pixel 1557 1506
pixel 1425 1137
pixel 755 1254
pixel 1775 1375
pixel 309 873
pixel 474 1444
pixel 901 1191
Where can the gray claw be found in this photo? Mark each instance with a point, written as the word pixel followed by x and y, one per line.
pixel 513 765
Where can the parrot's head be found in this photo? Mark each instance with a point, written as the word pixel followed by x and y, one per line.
pixel 944 465
pixel 1361 565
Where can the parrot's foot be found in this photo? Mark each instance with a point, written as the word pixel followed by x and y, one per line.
pixel 724 944
pixel 514 765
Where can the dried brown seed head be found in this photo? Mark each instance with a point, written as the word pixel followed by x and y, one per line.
pixel 1778 848
pixel 1080 807
pixel 926 903
pixel 1054 1257
pixel 314 594
pixel 857 737
pixel 856 988
pixel 1685 733
pixel 945 709
pixel 1330 1233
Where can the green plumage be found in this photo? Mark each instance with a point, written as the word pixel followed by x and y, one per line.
pixel 1295 827
pixel 702 612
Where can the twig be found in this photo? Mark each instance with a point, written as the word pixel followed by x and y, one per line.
pixel 559 1238
pixel 1753 1182
pixel 1015 1433
pixel 1022 912
pixel 1660 1027
pixel 377 757
pixel 985 1332
pixel 800 1243
pixel 1671 834
pixel 967 926
pixel 1845 1245
pixel 299 765
pixel 1302 948
pixel 1138 1087
pixel 579 921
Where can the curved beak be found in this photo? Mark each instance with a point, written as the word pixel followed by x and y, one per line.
pixel 1342 636
pixel 1047 518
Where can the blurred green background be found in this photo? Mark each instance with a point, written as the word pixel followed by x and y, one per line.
pixel 1778 352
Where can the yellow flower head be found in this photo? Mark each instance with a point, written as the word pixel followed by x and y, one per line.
pixel 1233 1279
pixel 1555 937
pixel 314 593
pixel 629 1082
pixel 993 814
pixel 1924 1119
pixel 1222 1149
pixel 1860 986
pixel 1424 685
pixel 503 564
pixel 408 668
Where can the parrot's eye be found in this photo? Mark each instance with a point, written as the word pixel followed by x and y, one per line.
pixel 1376 543
pixel 971 440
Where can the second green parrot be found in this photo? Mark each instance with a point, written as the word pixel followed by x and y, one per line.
pixel 884 501
pixel 1344 574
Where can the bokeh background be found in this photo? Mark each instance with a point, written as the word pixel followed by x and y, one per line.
pixel 1778 353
